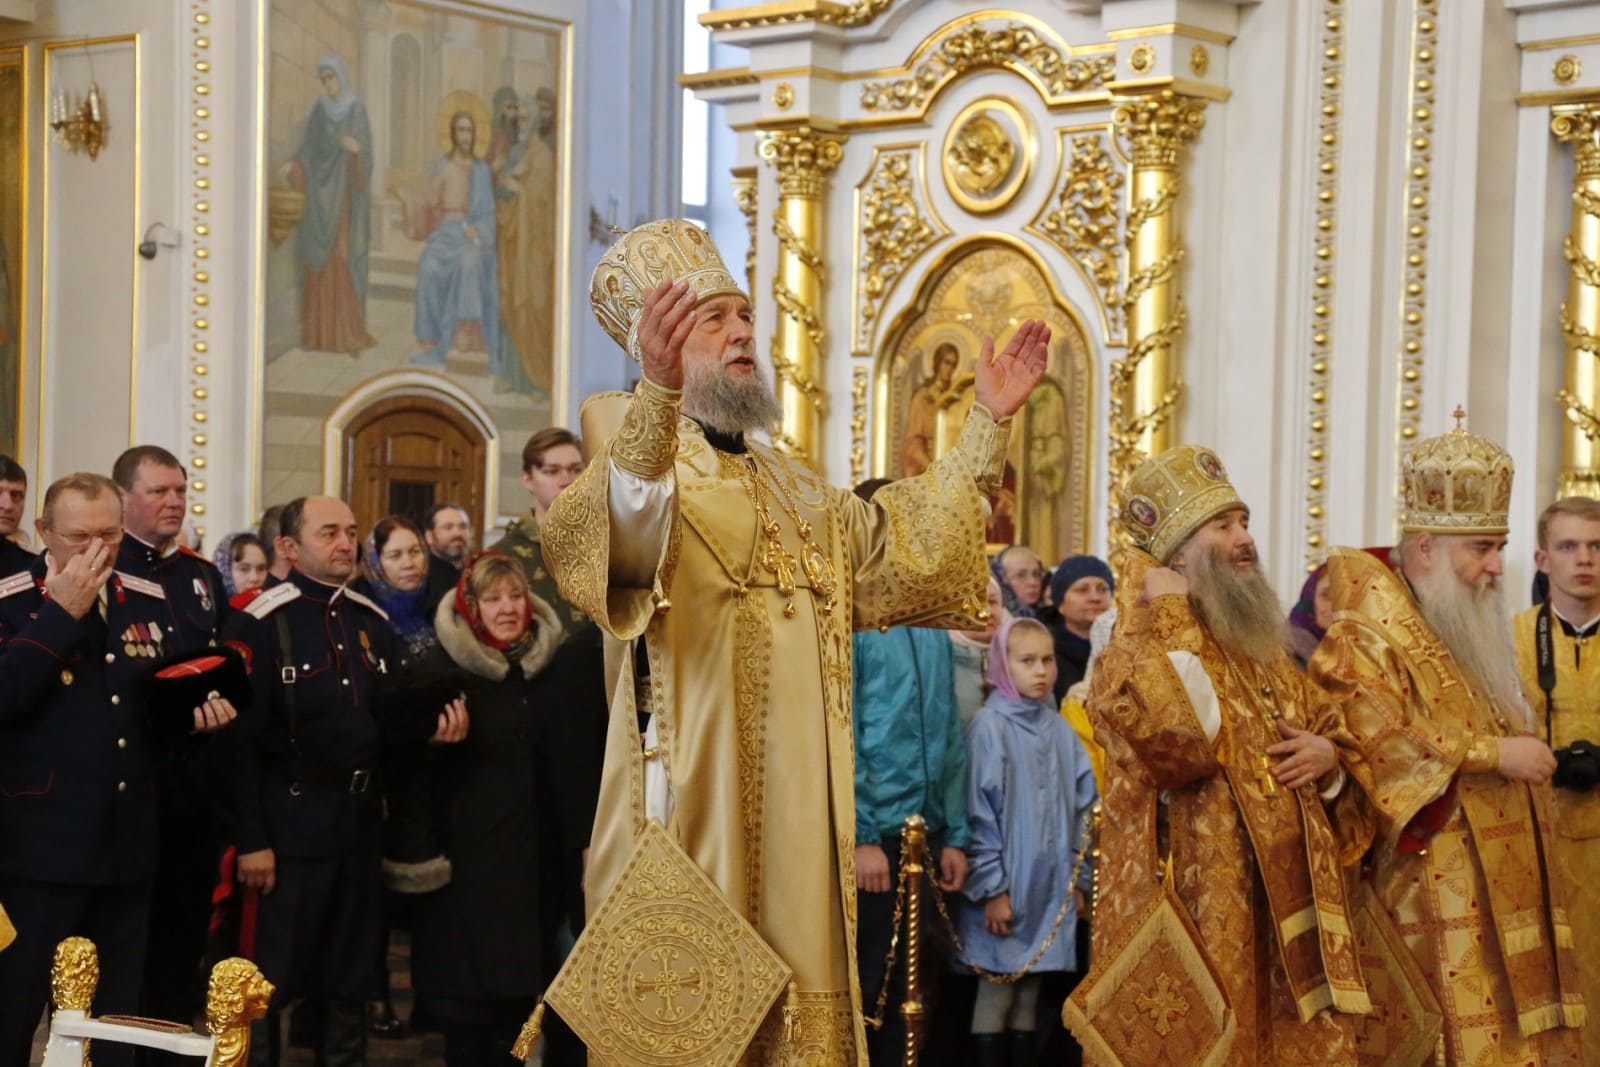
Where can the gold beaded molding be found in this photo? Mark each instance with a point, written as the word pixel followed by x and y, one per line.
pixel 1331 45
pixel 199 312
pixel 1419 185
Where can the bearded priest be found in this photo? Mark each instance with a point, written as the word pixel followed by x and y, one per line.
pixel 728 578
pixel 1221 763
pixel 1422 663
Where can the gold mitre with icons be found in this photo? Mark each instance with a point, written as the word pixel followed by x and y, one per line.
pixel 671 249
pixel 1456 483
pixel 1171 495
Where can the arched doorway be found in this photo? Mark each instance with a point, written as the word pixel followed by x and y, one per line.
pixel 402 455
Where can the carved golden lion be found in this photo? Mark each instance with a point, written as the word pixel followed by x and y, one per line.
pixel 237 996
pixel 74 975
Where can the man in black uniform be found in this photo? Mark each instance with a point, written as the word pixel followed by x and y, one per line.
pixel 308 809
pixel 78 809
pixel 13 501
pixel 155 491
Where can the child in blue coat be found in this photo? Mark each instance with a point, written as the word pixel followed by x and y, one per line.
pixel 1030 792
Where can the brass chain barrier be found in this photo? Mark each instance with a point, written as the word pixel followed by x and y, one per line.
pixel 1093 820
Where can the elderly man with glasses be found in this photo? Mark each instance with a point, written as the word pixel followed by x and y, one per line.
pixel 78 805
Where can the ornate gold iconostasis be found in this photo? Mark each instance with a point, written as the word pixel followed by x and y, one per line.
pixel 948 176
pixel 986 287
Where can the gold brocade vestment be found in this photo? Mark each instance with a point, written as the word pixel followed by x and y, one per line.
pixel 1577 815
pixel 1256 866
pixel 657 540
pixel 1477 905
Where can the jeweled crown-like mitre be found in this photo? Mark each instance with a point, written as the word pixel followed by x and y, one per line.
pixel 1456 483
pixel 673 249
pixel 1171 495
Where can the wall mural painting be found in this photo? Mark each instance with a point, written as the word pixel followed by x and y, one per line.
pixel 925 390
pixel 13 208
pixel 414 199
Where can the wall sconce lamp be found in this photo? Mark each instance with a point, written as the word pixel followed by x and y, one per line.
pixel 80 124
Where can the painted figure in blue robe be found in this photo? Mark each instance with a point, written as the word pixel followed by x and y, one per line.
pixel 457 295
pixel 333 168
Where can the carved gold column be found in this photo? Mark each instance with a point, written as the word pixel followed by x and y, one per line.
pixel 1579 126
pixel 744 194
pixel 1146 386
pixel 804 158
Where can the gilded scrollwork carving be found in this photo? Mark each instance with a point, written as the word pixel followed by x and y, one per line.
pixel 858 424
pixel 896 227
pixel 74 975
pixel 973 46
pixel 236 996
pixel 1145 384
pixel 1085 218
pixel 746 196
pixel 1579 126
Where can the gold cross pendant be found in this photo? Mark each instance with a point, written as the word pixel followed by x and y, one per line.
pixel 1264 780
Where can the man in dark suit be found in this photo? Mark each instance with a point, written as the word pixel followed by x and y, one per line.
pixel 78 807
pixel 14 557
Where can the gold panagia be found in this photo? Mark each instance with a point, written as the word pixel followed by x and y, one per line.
pixel 1256 866
pixel 1576 717
pixel 1460 856
pixel 753 707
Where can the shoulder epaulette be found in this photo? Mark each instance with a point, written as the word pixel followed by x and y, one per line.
pixel 265 601
pixel 238 600
pixel 16 584
pixel 192 554
pixel 141 585
pixel 364 602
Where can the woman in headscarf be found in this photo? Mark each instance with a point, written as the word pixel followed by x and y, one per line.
pixel 333 168
pixel 969 656
pixel 486 817
pixel 1311 616
pixel 395 574
pixel 1021 575
pixel 242 561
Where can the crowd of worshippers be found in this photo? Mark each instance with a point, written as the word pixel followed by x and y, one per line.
pixel 317 736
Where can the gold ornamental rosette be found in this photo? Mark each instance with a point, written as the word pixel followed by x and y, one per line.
pixel 1156 999
pixel 666 973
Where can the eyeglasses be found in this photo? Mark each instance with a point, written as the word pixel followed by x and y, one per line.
pixel 556 472
pixel 78 540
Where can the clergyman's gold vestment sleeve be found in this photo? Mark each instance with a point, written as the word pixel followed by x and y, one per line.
pixel 1151 710
pixel 918 549
pixel 608 535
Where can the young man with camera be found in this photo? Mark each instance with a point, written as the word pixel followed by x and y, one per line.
pixel 1558 656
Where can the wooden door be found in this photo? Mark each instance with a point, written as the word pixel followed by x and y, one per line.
pixel 405 454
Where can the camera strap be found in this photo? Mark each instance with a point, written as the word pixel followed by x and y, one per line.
pixel 1544 646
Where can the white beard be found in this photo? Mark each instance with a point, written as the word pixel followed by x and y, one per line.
pixel 722 402
pixel 1475 626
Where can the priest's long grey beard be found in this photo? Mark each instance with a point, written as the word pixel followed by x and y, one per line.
pixel 1474 624
pixel 727 403
pixel 1241 611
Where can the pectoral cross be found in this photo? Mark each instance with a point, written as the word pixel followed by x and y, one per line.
pixel 1264 780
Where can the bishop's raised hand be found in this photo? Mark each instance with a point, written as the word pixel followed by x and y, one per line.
pixel 664 325
pixel 1002 383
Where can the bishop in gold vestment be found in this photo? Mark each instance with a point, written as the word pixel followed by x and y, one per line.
pixel 1208 726
pixel 728 578
pixel 1422 665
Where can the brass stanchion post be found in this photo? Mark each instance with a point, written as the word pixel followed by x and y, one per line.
pixel 913 854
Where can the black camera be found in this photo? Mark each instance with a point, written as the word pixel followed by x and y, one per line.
pixel 1577 767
